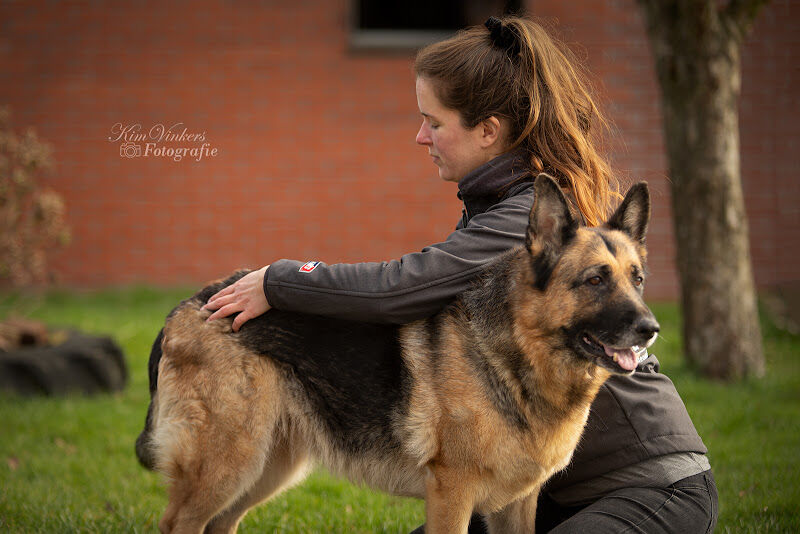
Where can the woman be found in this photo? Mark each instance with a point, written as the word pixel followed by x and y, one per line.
pixel 500 104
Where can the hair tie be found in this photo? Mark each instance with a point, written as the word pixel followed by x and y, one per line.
pixel 502 36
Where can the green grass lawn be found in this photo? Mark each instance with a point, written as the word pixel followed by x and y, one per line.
pixel 67 465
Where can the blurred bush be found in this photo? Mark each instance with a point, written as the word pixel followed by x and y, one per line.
pixel 32 217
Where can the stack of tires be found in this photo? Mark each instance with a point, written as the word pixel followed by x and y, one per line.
pixel 34 361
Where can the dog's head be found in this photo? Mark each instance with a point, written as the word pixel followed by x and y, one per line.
pixel 590 280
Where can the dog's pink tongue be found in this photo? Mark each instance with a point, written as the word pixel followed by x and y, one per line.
pixel 626 358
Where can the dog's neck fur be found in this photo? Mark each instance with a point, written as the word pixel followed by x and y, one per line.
pixel 521 352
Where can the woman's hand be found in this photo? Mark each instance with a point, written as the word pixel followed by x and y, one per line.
pixel 245 296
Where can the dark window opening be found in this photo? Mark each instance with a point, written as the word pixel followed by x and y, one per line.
pixel 410 24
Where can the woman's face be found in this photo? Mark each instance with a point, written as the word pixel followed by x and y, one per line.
pixel 456 150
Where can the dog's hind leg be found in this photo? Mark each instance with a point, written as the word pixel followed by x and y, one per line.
pixel 287 464
pixel 219 416
pixel 213 463
pixel 212 470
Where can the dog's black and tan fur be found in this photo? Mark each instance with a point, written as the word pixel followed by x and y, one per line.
pixel 471 409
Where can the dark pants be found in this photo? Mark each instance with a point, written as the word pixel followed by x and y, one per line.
pixel 687 506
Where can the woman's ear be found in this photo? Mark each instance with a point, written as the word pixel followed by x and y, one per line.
pixel 492 131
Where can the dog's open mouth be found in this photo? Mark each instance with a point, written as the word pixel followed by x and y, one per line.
pixel 626 358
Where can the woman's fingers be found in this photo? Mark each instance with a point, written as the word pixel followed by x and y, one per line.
pixel 241 319
pixel 219 302
pixel 221 293
pixel 225 311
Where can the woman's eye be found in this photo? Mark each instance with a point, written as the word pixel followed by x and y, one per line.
pixel 594 281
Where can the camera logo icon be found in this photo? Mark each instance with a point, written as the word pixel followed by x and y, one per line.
pixel 130 150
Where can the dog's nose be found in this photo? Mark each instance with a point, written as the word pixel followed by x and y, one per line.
pixel 647 327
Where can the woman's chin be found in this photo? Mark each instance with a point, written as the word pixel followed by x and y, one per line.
pixel 447 177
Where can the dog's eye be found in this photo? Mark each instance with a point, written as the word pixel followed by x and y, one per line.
pixel 638 280
pixel 594 281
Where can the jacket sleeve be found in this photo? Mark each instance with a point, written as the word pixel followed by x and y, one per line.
pixel 399 291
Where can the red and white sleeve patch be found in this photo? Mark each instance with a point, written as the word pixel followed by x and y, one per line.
pixel 309 266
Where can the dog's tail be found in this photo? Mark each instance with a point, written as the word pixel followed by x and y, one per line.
pixel 144 449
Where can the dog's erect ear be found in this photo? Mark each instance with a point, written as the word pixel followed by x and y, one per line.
pixel 551 225
pixel 633 214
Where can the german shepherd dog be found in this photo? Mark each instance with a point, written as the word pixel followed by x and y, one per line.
pixel 472 409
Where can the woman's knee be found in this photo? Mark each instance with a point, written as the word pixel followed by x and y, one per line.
pixel 690 505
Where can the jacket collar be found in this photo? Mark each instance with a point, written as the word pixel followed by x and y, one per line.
pixel 489 183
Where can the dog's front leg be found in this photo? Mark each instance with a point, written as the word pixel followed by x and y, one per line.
pixel 518 517
pixel 449 498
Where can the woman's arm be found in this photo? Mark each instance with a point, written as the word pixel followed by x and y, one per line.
pixel 398 291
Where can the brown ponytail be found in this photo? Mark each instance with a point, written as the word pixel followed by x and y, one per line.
pixel 518 72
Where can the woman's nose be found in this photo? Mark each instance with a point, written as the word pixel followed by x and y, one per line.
pixel 422 136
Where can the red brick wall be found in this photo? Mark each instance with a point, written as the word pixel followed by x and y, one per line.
pixel 315 145
pixel 770 137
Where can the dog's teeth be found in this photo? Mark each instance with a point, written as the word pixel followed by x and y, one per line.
pixel 616 356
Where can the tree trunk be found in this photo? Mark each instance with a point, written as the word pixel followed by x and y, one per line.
pixel 696 44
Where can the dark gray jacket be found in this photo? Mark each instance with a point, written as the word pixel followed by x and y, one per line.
pixel 421 283
pixel 633 419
